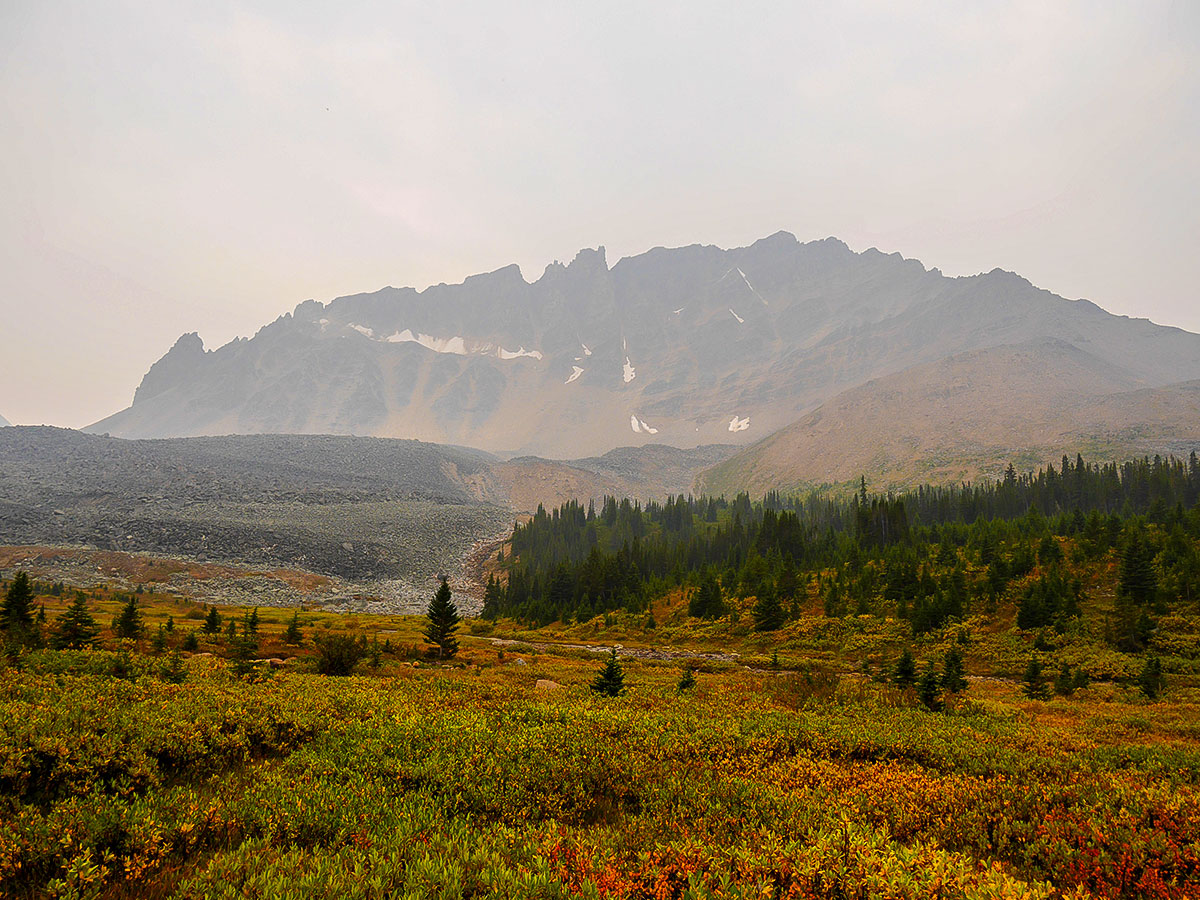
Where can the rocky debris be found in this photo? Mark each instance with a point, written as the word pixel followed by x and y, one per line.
pixel 545 684
pixel 378 516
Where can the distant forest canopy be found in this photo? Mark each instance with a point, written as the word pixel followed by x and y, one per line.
pixel 929 556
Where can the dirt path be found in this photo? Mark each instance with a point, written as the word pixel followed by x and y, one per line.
pixel 630 652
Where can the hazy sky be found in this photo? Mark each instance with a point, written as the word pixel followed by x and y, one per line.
pixel 169 167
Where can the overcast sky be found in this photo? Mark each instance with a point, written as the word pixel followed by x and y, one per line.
pixel 168 167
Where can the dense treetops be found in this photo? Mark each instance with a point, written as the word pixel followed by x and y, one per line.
pixel 928 555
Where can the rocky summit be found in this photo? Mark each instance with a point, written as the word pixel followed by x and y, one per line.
pixel 689 346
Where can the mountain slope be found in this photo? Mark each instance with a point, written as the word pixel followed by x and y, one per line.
pixel 689 346
pixel 391 513
pixel 4 423
pixel 969 416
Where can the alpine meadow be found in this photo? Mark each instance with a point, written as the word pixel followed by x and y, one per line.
pixel 723 558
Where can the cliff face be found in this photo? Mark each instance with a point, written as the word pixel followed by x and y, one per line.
pixel 687 346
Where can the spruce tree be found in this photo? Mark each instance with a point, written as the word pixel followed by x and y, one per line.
pixel 954 679
pixel 75 628
pixel 212 622
pixel 1151 679
pixel 905 673
pixel 443 622
pixel 1033 685
pixel 1064 682
pixel 611 680
pixel 128 623
pixel 929 689
pixel 705 602
pixel 173 671
pixel 687 680
pixel 16 614
pixel 1137 582
pixel 768 613
pixel 493 598
pixel 1137 587
pixel 293 635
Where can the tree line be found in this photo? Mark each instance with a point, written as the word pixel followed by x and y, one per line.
pixel 928 555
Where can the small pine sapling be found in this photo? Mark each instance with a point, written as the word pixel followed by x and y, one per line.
pixel 293 636
pixel 687 680
pixel 905 673
pixel 611 680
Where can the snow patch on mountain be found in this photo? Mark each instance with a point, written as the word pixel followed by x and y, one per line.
pixel 455 345
pixel 576 371
pixel 736 424
pixel 630 372
pixel 736 316
pixel 639 426
pixel 514 354
pixel 749 285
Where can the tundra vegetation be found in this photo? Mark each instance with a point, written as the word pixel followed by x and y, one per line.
pixel 980 692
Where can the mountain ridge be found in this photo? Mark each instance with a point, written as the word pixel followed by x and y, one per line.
pixel 685 346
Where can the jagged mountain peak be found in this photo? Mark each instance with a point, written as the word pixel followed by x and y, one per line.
pixel 687 346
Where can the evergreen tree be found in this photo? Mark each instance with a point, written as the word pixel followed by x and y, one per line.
pixel 929 689
pixel 611 680
pixel 128 623
pixel 954 679
pixel 905 673
pixel 1137 583
pixel 705 602
pixel 190 642
pixel 768 613
pixel 1064 682
pixel 74 628
pixel 250 624
pixel 493 598
pixel 160 640
pixel 16 614
pixel 1151 679
pixel 293 635
pixel 170 625
pixel 1033 685
pixel 241 652
pixel 687 680
pixel 173 671
pixel 212 622
pixel 443 622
